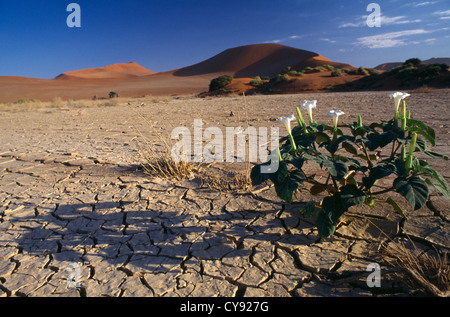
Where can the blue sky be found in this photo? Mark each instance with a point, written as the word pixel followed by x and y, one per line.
pixel 162 35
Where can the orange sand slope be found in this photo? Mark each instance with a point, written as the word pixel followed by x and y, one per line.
pixel 133 80
pixel 256 60
pixel 127 70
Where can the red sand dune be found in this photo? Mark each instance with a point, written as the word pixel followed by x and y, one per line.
pixel 254 60
pixel 127 70
pixel 133 80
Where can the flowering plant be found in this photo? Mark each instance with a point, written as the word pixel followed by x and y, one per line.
pixel 353 164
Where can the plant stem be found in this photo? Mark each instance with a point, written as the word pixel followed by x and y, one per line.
pixel 393 146
pixel 291 138
pixel 383 191
pixel 369 162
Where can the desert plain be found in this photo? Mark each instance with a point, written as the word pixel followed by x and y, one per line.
pixel 73 192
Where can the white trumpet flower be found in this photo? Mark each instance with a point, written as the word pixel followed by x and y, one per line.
pixel 287 123
pixel 309 105
pixel 335 114
pixel 398 97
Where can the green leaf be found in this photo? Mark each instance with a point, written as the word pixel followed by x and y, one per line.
pixel 378 172
pixel 421 128
pixel 298 162
pixel 333 206
pixel 414 189
pixel 351 196
pixel 256 176
pixel 349 148
pixel 439 182
pixel 322 137
pixel 435 155
pixel 286 188
pixel 337 169
pixel 325 225
pixel 397 208
pixel 280 175
pixel 308 209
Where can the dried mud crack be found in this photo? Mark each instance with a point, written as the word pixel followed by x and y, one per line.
pixel 66 200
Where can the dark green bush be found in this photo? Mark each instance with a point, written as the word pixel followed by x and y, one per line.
pixel 363 71
pixel 113 94
pixel 413 61
pixel 373 71
pixel 220 82
pixel 336 73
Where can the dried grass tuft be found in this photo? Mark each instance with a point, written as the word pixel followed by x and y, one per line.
pixel 427 271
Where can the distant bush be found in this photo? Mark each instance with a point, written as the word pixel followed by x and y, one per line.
pixel 336 73
pixel 413 61
pixel 432 71
pixel 26 100
pixel 329 67
pixel 220 82
pixel 256 82
pixel 373 71
pixel 359 71
pixel 265 77
pixel 345 70
pixel 113 94
pixel 363 71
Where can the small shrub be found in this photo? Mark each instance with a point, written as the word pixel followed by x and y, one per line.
pixel 286 78
pixel 220 82
pixel 413 61
pixel 256 83
pixel 329 67
pixel 26 100
pixel 373 71
pixel 336 73
pixel 113 94
pixel 363 71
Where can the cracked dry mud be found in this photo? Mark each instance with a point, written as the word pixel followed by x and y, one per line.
pixel 71 192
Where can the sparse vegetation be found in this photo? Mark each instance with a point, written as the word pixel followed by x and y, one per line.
pixel 26 100
pixel 220 82
pixel 421 270
pixel 353 166
pixel 113 94
pixel 336 73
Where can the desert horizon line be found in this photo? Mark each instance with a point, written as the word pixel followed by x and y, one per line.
pixel 147 71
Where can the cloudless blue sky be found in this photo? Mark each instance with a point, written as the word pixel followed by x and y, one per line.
pixel 163 35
